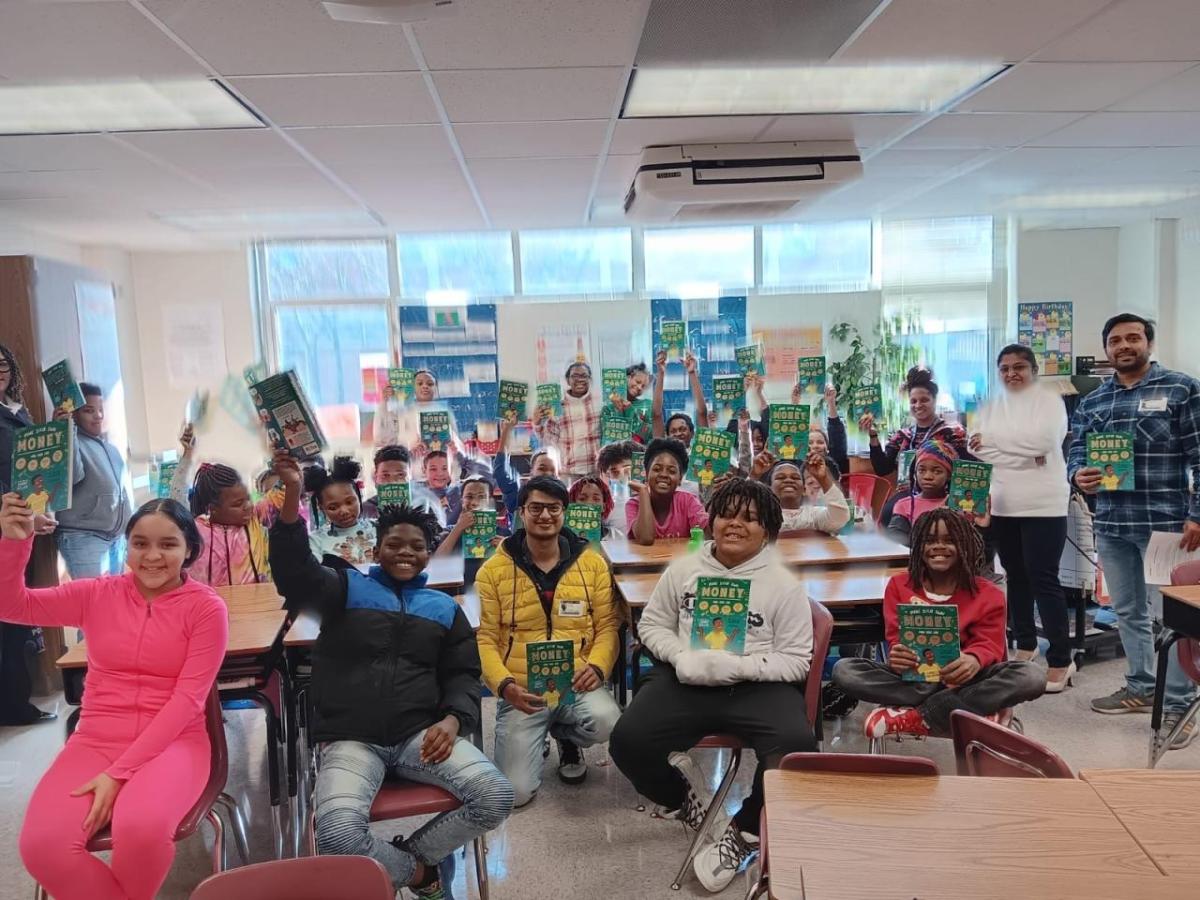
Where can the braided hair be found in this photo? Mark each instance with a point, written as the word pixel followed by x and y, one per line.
pixel 962 534
pixel 210 480
pixel 736 494
pixel 403 514
pixel 345 470
pixel 16 384
pixel 606 501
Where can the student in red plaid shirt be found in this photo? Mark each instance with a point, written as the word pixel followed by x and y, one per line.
pixel 577 433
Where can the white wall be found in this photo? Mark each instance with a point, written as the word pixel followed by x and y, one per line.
pixel 1183 337
pixel 17 241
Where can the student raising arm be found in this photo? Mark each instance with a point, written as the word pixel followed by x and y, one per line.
pixel 679 425
pixel 658 508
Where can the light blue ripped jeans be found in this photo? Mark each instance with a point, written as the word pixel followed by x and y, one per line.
pixel 351 774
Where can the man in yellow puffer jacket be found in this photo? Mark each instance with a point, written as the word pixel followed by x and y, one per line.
pixel 545 583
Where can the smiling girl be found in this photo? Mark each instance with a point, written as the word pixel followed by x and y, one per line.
pixel 140 756
pixel 827 511
pixel 657 507
pixel 345 532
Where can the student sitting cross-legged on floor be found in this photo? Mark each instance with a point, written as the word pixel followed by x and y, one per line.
pixel 546 584
pixel 946 552
pixel 755 693
pixel 395 682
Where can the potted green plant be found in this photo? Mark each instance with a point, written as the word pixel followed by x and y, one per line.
pixel 885 360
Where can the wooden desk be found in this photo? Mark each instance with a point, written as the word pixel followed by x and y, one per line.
pixel 1160 809
pixel 1181 618
pixel 814 550
pixel 251 598
pixel 852 825
pixel 853 587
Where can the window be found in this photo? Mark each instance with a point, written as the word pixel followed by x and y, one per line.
pixel 478 263
pixel 677 258
pixel 327 270
pixel 817 256
pixel 938 251
pixel 578 261
pixel 326 346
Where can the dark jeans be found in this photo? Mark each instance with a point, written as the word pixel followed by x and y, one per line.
pixel 1030 549
pixel 666 716
pixel 15 682
pixel 996 687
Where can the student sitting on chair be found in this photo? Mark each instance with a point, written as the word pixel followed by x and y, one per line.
pixel 395 683
pixel 658 508
pixel 546 583
pixel 756 694
pixel 946 551
pixel 788 480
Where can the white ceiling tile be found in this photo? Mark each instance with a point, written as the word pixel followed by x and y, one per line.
pixel 1128 129
pixel 527 139
pixel 984 130
pixel 1167 161
pixel 966 29
pixel 85 40
pixel 617 174
pixel 391 150
pixel 1067 87
pixel 1178 94
pixel 281 37
pixel 521 192
pixel 1136 30
pixel 917 163
pixel 867 130
pixel 631 135
pixel 388 98
pixel 284 186
pixel 1040 163
pixel 48 152
pixel 533 33
pixel 215 151
pixel 426 196
pixel 529 95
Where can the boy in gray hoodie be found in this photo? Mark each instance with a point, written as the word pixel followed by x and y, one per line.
pixel 753 688
pixel 89 534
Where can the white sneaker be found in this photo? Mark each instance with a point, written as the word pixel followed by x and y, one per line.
pixel 699 797
pixel 717 863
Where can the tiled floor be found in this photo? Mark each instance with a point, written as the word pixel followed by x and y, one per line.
pixel 587 842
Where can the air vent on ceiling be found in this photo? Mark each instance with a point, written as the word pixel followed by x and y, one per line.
pixel 390 12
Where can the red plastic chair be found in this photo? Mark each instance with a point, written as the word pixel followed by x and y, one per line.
pixel 822 624
pixel 1189 648
pixel 982 747
pixel 306 878
pixel 868 491
pixel 205 806
pixel 1186 573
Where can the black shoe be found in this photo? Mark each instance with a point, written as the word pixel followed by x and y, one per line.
pixel 571 767
pixel 836 703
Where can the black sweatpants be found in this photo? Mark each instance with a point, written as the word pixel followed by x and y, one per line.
pixel 666 716
pixel 16 684
pixel 1030 550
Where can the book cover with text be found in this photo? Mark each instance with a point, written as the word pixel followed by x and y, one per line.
pixel 788 437
pixel 810 374
pixel 43 464
pixel 549 397
pixel 722 606
pixel 1112 453
pixel 435 429
pixel 750 359
pixel 477 540
pixel 514 400
pixel 396 493
pixel 867 398
pixel 284 411
pixel 586 520
pixel 401 382
pixel 970 484
pixel 709 457
pixel 931 632
pixel 614 429
pixel 615 384
pixel 550 671
pixel 673 336
pixel 729 393
pixel 62 387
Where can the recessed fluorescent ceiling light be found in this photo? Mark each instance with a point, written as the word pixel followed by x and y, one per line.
pixel 1098 198
pixel 779 90
pixel 280 221
pixel 138 105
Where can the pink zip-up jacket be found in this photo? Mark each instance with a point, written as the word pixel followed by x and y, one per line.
pixel 151 665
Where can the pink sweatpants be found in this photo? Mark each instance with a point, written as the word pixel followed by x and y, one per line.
pixel 148 810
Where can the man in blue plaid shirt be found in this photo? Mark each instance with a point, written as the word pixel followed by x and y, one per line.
pixel 1161 409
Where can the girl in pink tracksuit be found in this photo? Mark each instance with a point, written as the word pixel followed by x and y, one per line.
pixel 140 756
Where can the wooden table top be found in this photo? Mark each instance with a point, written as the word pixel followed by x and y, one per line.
pixel 840 587
pixel 1160 808
pixel 251 598
pixel 997 826
pixel 810 550
pixel 1184 593
pixel 307 627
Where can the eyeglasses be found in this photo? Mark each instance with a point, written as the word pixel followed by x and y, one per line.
pixel 5 367
pixel 535 510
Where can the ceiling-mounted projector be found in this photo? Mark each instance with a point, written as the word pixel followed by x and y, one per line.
pixel 390 12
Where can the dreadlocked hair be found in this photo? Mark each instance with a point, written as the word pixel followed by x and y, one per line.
pixel 345 470
pixel 402 514
pixel 210 480
pixel 962 534
pixel 736 494
pixel 16 384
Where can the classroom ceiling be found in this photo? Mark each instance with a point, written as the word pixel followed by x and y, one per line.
pixel 508 113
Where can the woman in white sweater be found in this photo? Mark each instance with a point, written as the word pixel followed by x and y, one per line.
pixel 1021 434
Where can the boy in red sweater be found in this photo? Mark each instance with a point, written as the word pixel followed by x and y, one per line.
pixel 946 551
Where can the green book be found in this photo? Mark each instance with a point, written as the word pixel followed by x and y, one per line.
pixel 285 412
pixel 550 671
pixel 163 476
pixel 396 493
pixel 931 631
pixel 435 429
pixel 750 359
pixel 255 372
pixel 401 382
pixel 970 484
pixel 810 374
pixel 62 387
pixel 867 398
pixel 710 456
pixel 788 438
pixel 1112 453
pixel 586 520
pixel 549 396
pixel 615 428
pixel 729 392
pixel 43 465
pixel 904 463
pixel 673 336
pixel 640 415
pixel 616 384
pixel 477 540
pixel 514 400
pixel 637 471
pixel 719 618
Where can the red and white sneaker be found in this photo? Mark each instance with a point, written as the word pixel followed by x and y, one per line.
pixel 892 720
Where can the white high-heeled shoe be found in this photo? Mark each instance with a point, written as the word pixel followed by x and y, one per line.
pixel 1057 686
pixel 1026 655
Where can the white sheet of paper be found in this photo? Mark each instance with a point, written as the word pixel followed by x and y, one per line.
pixel 194 344
pixel 1164 554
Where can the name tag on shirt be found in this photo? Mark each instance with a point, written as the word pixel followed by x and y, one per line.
pixel 571 609
pixel 1152 405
